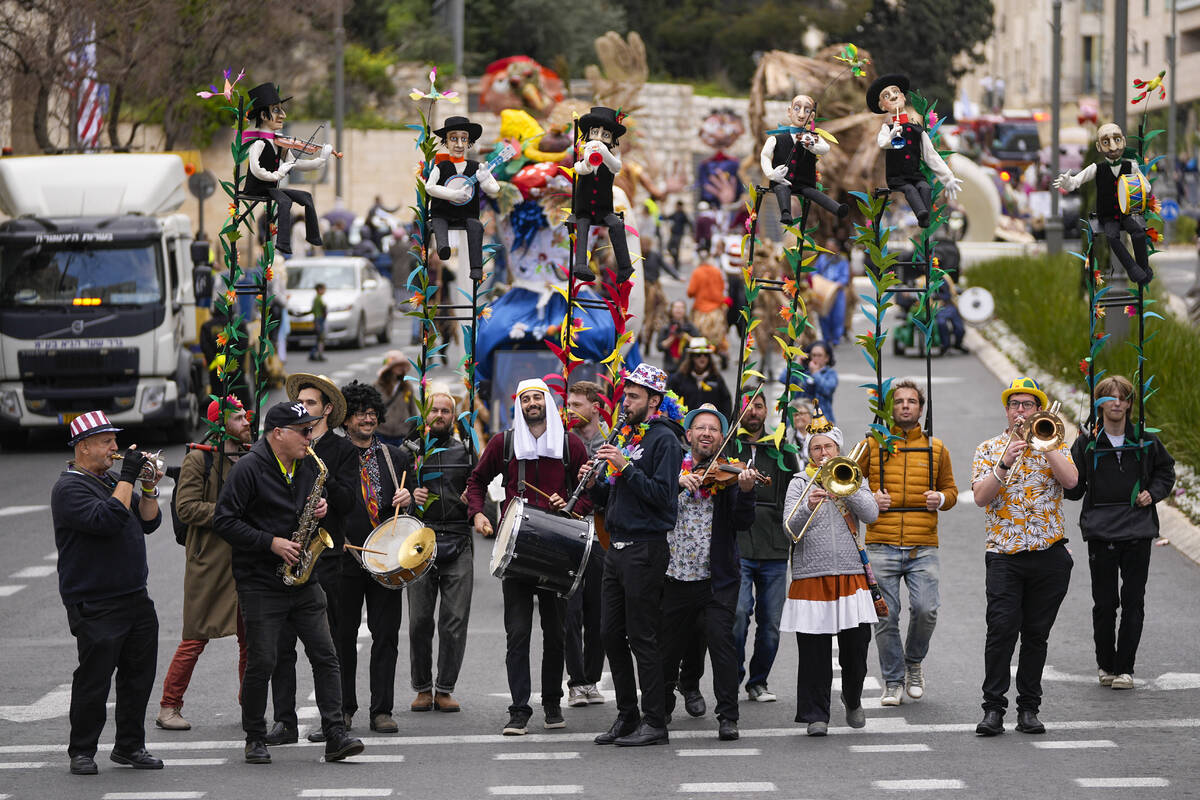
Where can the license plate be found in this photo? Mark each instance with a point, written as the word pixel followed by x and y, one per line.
pixel 302 326
pixel 67 419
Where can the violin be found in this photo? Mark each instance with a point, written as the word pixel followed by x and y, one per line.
pixel 725 471
pixel 302 146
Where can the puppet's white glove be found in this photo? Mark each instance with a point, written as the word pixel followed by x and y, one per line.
pixel 286 167
pixel 325 151
pixel 951 188
pixel 776 175
pixel 1066 182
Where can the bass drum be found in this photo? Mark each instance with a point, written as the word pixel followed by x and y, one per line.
pixel 408 547
pixel 541 546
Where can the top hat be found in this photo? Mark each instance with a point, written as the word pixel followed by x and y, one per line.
pixel 881 83
pixel 89 424
pixel 327 388
pixel 264 96
pixel 602 117
pixel 474 129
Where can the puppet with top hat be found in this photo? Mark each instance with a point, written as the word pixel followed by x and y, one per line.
pixel 453 188
pixel 598 164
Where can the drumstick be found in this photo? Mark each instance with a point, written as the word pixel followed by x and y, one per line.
pixel 396 516
pixel 543 494
pixel 349 546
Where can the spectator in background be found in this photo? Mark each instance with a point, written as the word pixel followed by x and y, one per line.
pixel 709 303
pixel 319 312
pixel 800 422
pixel 706 223
pixel 656 302
pixel 822 379
pixel 377 222
pixel 673 338
pixel 679 224
pixel 698 381
pixel 337 241
pixel 835 267
pixel 400 398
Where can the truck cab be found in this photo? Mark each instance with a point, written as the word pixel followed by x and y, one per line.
pixel 97 309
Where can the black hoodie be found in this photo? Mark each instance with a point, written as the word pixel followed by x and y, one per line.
pixel 642 504
pixel 257 504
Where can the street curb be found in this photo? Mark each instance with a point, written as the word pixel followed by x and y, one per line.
pixel 1174 526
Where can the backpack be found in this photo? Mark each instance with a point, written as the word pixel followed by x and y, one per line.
pixel 179 525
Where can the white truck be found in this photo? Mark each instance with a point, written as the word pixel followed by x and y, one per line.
pixel 97 308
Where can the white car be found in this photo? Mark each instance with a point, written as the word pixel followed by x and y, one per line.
pixel 359 301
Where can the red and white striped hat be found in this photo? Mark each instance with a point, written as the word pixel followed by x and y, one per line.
pixel 90 424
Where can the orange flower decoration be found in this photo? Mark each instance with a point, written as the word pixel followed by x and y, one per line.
pixel 1083 366
pixel 233 209
pixel 270 273
pixel 786 313
pixel 230 297
pixel 1101 311
pixel 789 287
pixel 222 339
pixel 1154 235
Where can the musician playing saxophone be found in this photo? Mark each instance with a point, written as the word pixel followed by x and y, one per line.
pixel 259 511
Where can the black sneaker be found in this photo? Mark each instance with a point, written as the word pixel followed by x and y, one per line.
pixel 341 746
pixel 83 765
pixel 281 734
pixel 554 717
pixel 517 720
pixel 256 753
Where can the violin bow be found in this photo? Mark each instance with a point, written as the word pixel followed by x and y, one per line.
pixel 732 430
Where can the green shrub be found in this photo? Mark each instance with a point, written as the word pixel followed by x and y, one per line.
pixel 1044 302
pixel 1185 229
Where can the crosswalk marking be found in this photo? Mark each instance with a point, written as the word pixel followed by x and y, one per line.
pixel 719 751
pixel 40 571
pixel 563 756
pixel 12 511
pixel 24 765
pixel 889 748
pixel 1076 744
pixel 393 758
pixel 152 795
pixel 198 762
pixel 1121 783
pixel 345 793
pixel 9 591
pixel 728 786
pixel 919 785
pixel 568 788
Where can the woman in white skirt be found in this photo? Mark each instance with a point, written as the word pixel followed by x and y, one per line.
pixel 828 594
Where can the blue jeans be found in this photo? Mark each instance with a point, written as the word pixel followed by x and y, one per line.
pixel 768 579
pixel 918 566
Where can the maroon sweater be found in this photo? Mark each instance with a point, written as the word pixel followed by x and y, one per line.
pixel 546 474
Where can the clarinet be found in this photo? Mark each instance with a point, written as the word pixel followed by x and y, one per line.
pixel 612 437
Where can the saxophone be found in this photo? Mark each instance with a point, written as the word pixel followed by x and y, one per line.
pixel 311 538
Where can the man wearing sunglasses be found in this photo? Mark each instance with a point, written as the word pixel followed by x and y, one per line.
pixel 257 512
pixel 1028 565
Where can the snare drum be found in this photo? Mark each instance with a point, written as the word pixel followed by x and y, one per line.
pixel 410 548
pixel 1133 193
pixel 541 546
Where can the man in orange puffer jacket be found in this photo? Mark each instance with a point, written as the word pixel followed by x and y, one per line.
pixel 902 543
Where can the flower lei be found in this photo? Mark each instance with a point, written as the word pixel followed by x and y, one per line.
pixel 629 440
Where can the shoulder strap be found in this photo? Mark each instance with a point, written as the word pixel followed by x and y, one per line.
pixel 508 445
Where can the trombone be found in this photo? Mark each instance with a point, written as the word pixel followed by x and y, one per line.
pixel 1042 432
pixel 839 476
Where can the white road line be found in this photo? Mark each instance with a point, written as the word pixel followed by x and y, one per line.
pixel 12 511
pixel 394 758
pixel 198 762
pixel 151 795
pixel 1121 783
pixel 566 788
pixel 9 591
pixel 52 557
pixel 712 788
pixel 889 748
pixel 1077 744
pixel 563 756
pixel 23 765
pixel 345 793
pixel 922 784
pixel 39 571
pixel 717 751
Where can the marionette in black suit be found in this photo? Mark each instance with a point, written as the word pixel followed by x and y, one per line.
pixel 593 201
pixel 269 164
pixel 453 187
pixel 907 147
pixel 1110 141
pixel 789 160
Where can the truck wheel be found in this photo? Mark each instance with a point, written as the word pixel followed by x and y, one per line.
pixel 385 335
pixel 360 333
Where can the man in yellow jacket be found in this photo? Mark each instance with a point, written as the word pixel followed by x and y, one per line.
pixel 911 486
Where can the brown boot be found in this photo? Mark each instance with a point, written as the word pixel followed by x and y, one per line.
pixel 169 719
pixel 444 702
pixel 424 702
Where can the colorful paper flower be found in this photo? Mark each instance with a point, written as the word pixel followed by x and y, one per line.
pixel 227 92
pixel 433 94
pixel 1130 311
pixel 1101 311
pixel 1154 235
pixel 1083 365
pixel 1148 87
pixel 849 56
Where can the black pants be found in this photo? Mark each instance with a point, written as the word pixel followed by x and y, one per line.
pixel 1126 563
pixel 121 634
pixel 518 630
pixel 684 604
pixel 1135 267
pixel 783 193
pixel 584 645
pixel 691 669
pixel 474 230
pixel 1024 591
pixel 384 608
pixel 814 676
pixel 327 573
pixel 267 614
pixel 919 197
pixel 632 596
pixel 312 226
pixel 616 236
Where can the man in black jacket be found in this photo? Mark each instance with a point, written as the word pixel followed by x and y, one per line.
pixel 703 574
pixel 451 582
pixel 378 470
pixel 322 399
pixel 258 511
pixel 638 489
pixel 1121 478
pixel 100 530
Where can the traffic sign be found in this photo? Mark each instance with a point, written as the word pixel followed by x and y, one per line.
pixel 1170 210
pixel 202 185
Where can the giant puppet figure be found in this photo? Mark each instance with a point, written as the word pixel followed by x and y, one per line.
pixel 1121 194
pixel 599 163
pixel 907 146
pixel 270 163
pixel 453 187
pixel 789 160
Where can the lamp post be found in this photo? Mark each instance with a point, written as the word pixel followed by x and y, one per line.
pixel 1054 225
pixel 1172 161
pixel 339 94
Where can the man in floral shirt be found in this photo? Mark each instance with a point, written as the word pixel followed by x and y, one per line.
pixel 1028 565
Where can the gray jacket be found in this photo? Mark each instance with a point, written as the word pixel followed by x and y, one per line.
pixel 827 547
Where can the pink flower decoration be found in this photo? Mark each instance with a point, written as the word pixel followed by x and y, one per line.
pixel 1130 311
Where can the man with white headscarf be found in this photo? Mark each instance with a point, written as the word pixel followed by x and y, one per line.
pixel 537 458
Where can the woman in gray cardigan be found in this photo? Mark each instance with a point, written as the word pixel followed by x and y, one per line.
pixel 828 594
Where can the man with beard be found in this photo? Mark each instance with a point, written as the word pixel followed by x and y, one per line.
pixel 536 453
pixel 764 549
pixel 210 609
pixel 911 486
pixel 451 582
pixel 380 467
pixel 702 573
pixel 638 487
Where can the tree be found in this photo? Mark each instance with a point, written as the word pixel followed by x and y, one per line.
pixel 544 30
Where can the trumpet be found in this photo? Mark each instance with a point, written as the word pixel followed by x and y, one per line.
pixel 1043 431
pixel 153 465
pixel 840 477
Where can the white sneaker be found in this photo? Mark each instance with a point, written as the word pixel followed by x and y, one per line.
pixel 1106 677
pixel 593 694
pixel 892 694
pixel 1122 681
pixel 914 681
pixel 577 696
pixel 760 694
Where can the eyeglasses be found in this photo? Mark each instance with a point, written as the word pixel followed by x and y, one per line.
pixel 705 429
pixel 1023 405
pixel 305 432
pixel 369 414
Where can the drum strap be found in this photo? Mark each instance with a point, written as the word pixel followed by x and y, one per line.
pixel 387 459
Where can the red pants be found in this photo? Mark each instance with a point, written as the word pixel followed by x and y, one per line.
pixel 179 674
